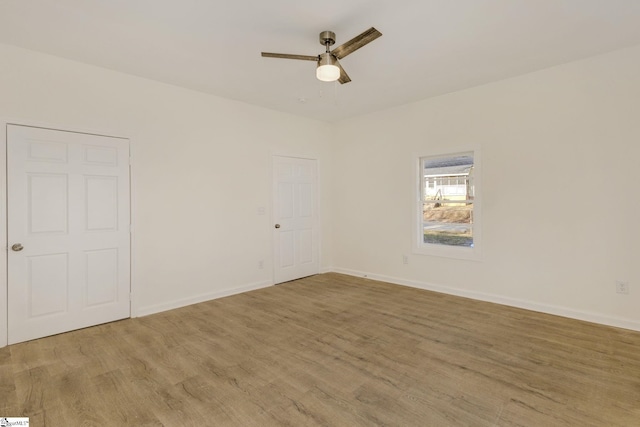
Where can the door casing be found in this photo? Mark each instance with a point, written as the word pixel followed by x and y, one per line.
pixel 4 325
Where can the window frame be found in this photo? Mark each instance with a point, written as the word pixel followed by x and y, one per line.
pixel 419 247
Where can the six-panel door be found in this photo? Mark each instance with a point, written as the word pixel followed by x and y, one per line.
pixel 68 209
pixel 296 218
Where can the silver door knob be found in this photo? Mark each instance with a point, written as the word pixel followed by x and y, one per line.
pixel 277 225
pixel 17 247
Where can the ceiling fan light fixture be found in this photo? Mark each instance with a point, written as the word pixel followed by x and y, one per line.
pixel 327 70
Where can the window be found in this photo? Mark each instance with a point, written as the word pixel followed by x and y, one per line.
pixel 447 205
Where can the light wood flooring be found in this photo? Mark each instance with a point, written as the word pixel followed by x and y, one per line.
pixel 329 350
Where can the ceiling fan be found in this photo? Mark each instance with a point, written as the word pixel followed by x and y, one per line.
pixel 329 69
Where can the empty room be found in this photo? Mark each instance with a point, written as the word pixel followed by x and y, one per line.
pixel 345 213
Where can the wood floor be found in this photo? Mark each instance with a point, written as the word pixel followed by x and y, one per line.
pixel 329 350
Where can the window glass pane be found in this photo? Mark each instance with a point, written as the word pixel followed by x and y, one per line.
pixel 448 224
pixel 447 206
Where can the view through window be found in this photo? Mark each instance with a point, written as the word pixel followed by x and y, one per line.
pixel 447 194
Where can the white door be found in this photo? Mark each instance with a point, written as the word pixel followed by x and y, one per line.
pixel 68 231
pixel 295 218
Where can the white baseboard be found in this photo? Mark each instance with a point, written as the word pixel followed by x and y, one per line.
pixel 512 302
pixel 152 309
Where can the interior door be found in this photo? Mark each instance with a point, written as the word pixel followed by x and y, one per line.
pixel 68 231
pixel 296 218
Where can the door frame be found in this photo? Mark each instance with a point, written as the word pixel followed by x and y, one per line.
pixel 4 285
pixel 272 218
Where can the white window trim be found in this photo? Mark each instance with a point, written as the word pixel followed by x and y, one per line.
pixel 465 253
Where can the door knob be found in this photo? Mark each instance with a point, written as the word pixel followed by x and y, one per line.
pixel 17 247
pixel 277 225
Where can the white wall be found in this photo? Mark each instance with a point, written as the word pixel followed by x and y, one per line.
pixel 201 170
pixel 560 154
pixel 560 151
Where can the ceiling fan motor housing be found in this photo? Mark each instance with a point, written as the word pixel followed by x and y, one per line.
pixel 327 38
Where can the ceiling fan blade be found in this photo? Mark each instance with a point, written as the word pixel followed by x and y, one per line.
pixel 289 56
pixel 356 43
pixel 344 77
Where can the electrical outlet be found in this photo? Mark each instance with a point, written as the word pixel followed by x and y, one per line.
pixel 622 287
pixel 405 259
pixel 260 264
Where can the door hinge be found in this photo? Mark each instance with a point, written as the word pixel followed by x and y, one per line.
pixel 130 228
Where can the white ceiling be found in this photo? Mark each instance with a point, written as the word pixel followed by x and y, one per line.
pixel 428 47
